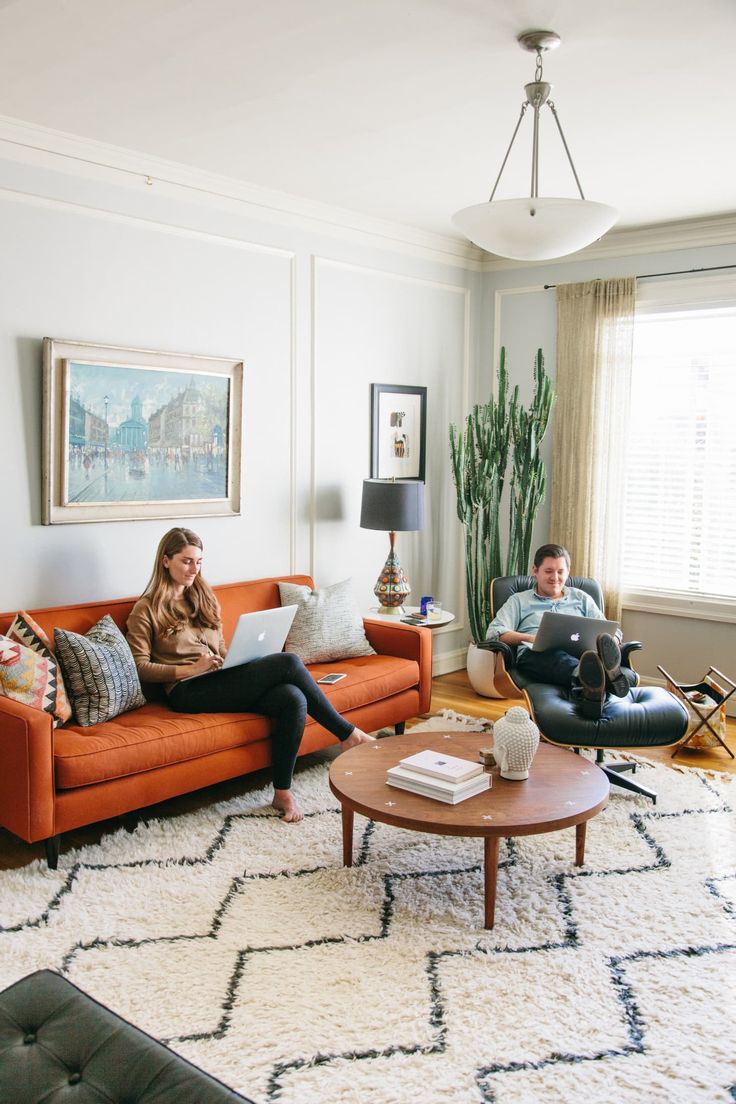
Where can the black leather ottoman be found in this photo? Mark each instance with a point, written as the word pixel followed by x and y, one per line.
pixel 648 716
pixel 58 1044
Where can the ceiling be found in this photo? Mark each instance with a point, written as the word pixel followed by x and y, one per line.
pixel 399 109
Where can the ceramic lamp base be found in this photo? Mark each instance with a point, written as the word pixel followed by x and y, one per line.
pixel 392 586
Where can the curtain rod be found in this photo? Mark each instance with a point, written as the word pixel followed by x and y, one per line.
pixel 680 272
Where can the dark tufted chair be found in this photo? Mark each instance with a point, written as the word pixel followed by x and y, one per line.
pixel 647 717
pixel 58 1044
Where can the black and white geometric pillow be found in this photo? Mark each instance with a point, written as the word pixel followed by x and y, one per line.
pixel 99 672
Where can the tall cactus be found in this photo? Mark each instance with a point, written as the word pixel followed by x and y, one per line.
pixel 495 432
pixel 479 461
pixel 527 485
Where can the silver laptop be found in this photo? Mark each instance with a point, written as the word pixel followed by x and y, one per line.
pixel 256 635
pixel 575 634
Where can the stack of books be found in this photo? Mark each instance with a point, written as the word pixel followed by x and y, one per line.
pixel 443 777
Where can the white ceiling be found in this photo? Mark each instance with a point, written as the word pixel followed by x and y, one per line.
pixel 400 109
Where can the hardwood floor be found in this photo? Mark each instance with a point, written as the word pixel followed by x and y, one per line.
pixel 451 691
pixel 454 691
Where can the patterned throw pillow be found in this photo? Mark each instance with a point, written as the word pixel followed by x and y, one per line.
pixel 27 677
pixel 327 624
pixel 100 672
pixel 28 632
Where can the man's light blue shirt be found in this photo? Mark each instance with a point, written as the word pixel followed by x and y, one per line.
pixel 523 611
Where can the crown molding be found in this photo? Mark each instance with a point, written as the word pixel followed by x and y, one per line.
pixel 661 237
pixel 29 143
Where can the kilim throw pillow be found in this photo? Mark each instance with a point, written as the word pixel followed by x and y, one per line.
pixel 27 677
pixel 99 671
pixel 28 632
pixel 327 624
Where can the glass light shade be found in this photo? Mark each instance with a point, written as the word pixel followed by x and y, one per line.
pixel 508 228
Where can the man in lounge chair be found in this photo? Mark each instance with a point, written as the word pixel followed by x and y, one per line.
pixel 591 677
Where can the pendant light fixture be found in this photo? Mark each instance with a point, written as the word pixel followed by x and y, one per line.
pixel 535 229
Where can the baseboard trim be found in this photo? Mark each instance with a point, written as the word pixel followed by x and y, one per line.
pixel 449 661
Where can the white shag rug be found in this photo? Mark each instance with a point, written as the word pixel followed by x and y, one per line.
pixel 244 944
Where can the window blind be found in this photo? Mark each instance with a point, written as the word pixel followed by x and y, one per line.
pixel 680 519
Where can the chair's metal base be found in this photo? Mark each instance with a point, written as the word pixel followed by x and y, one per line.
pixel 614 773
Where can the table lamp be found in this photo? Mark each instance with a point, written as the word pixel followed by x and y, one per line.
pixel 392 505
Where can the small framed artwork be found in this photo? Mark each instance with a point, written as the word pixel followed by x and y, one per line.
pixel 131 434
pixel 398 431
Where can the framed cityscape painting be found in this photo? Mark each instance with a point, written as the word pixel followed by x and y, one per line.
pixel 131 434
pixel 398 431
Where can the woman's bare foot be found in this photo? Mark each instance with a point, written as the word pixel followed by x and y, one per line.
pixel 285 802
pixel 357 736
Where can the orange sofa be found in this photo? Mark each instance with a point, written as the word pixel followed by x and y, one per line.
pixel 54 780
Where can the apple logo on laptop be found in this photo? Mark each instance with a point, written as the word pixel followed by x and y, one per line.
pixel 575 637
pixel 261 636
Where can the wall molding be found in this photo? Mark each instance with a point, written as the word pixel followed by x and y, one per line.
pixel 660 237
pixel 232 243
pixel 459 625
pixel 160 226
pixel 498 298
pixel 30 144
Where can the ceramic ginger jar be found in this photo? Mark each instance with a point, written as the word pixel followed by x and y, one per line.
pixel 515 741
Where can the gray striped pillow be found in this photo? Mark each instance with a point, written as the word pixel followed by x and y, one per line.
pixel 327 624
pixel 99 672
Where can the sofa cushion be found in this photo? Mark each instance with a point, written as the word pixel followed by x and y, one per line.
pixel 146 739
pixel 327 624
pixel 155 736
pixel 27 677
pixel 100 672
pixel 27 631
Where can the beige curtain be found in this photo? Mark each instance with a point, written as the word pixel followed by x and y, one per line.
pixel 595 328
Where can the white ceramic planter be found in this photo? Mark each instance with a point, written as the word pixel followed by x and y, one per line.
pixel 481 667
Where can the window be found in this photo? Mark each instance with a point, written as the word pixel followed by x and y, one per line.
pixel 680 527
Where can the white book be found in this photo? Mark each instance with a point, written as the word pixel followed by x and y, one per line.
pixel 448 767
pixel 430 783
pixel 451 795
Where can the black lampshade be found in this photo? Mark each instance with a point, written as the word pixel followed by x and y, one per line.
pixel 395 506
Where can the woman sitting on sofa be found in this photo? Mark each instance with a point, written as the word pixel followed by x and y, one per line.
pixel 175 632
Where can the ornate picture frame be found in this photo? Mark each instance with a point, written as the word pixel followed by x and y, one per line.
pixel 131 434
pixel 398 431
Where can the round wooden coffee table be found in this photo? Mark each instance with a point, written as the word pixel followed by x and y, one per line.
pixel 563 789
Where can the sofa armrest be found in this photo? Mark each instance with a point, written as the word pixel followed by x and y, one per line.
pixel 406 642
pixel 27 774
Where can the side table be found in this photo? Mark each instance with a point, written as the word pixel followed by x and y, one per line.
pixel 444 618
pixel 703 701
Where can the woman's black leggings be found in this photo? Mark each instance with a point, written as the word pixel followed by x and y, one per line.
pixel 280 687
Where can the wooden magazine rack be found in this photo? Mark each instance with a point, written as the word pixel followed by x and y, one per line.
pixel 705 706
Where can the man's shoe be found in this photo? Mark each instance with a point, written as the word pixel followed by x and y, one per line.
pixel 610 656
pixel 592 679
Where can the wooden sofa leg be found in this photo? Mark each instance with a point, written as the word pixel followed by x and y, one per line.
pixel 52 845
pixel 399 728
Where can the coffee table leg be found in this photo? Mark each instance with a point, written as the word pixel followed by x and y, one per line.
pixel 490 854
pixel 580 843
pixel 347 835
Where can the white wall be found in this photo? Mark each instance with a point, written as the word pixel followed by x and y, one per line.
pixel 317 312
pixel 315 316
pixel 524 319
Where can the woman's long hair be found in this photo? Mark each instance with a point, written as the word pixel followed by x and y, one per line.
pixel 200 606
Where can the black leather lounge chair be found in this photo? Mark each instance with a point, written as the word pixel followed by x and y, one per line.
pixel 648 716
